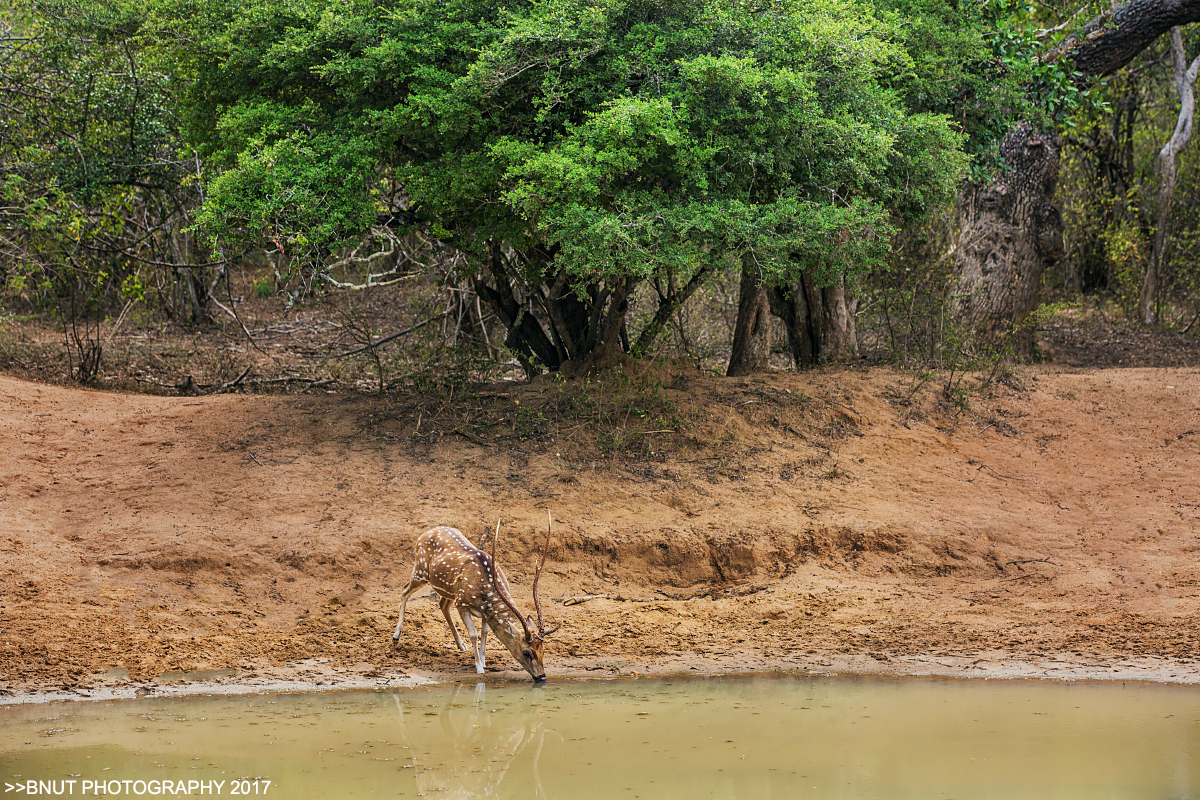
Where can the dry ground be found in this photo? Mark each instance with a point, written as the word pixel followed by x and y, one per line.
pixel 833 520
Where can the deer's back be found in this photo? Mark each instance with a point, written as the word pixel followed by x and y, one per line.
pixel 450 563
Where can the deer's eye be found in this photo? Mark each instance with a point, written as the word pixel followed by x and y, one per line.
pixel 528 654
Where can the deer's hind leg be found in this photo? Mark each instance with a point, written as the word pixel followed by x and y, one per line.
pixel 413 585
pixel 447 604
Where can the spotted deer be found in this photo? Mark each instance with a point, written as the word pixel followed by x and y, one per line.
pixel 469 579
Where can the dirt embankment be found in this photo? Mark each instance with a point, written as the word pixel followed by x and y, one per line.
pixel 830 520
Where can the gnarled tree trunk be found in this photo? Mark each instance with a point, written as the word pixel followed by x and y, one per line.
pixel 611 343
pixel 819 320
pixel 1009 233
pixel 550 325
pixel 525 339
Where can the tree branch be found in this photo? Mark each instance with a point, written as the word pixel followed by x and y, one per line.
pixel 385 339
pixel 1113 39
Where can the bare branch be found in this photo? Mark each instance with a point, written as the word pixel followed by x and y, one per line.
pixel 384 340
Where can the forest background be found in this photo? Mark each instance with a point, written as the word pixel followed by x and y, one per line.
pixel 218 196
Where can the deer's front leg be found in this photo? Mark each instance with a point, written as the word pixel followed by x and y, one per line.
pixel 446 604
pixel 476 639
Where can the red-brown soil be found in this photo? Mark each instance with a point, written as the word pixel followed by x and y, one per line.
pixel 833 520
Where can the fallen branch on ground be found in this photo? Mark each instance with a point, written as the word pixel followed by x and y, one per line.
pixel 1027 575
pixel 583 598
pixel 289 379
pixel 716 594
pixel 188 386
pixel 1019 562
pixel 233 383
pixel 472 438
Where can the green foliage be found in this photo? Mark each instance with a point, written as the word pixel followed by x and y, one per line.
pixel 302 217
pixel 1128 250
pixel 619 139
pixel 970 62
pixel 554 145
pixel 95 182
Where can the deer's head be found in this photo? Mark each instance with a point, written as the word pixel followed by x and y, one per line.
pixel 530 658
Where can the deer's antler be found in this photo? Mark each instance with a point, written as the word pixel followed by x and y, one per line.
pixel 504 598
pixel 542 632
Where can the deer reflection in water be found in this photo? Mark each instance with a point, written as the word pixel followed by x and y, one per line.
pixel 470 748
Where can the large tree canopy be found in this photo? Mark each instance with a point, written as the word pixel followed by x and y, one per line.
pixel 569 149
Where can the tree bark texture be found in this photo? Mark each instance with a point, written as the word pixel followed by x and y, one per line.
pixel 1112 40
pixel 610 343
pixel 819 321
pixel 1009 233
pixel 1185 80
pixel 525 338
pixel 752 334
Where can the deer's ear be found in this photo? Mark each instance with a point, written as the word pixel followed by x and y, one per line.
pixel 529 618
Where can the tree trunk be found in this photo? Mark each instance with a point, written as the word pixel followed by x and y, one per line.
pixel 526 339
pixel 550 327
pixel 195 301
pixel 668 303
pixel 610 347
pixel 819 321
pixel 752 334
pixel 1185 79
pixel 1009 233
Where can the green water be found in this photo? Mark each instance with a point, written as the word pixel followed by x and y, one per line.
pixel 760 738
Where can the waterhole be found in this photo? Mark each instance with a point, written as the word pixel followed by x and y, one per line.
pixel 760 738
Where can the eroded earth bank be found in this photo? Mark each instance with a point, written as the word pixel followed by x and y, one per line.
pixel 828 521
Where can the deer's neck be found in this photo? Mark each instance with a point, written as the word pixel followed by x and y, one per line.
pixel 507 629
pixel 497 613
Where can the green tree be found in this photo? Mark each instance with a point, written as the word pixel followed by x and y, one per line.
pixel 968 65
pixel 570 150
pixel 96 185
